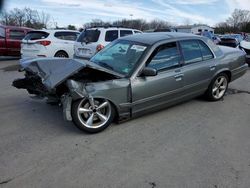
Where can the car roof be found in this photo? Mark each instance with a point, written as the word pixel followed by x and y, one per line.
pixel 15 27
pixel 152 38
pixel 55 30
pixel 110 28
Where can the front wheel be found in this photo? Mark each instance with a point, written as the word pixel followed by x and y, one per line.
pixel 217 87
pixel 92 115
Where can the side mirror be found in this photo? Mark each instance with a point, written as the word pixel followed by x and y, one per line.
pixel 149 71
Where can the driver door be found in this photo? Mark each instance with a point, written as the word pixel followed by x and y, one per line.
pixel 155 92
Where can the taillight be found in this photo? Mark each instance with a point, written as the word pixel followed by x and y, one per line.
pixel 44 42
pixel 99 47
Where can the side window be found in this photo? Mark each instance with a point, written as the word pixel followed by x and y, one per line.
pixel 66 35
pixel 191 51
pixel 165 56
pixel 205 51
pixel 111 35
pixel 125 33
pixel 2 32
pixel 17 34
pixel 136 32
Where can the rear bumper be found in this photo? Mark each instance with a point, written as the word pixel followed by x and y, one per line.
pixel 240 71
pixel 37 53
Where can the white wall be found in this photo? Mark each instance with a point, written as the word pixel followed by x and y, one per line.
pixel 202 28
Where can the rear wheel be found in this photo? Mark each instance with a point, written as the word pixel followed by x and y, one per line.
pixel 92 115
pixel 217 87
pixel 61 54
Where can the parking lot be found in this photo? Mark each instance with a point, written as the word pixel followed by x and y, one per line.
pixel 194 144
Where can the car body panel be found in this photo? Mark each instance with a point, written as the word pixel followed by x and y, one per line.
pixel 136 94
pixel 85 50
pixel 54 71
pixel 32 48
pixel 148 92
pixel 11 45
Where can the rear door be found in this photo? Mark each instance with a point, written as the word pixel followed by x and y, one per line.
pixel 152 92
pixel 65 41
pixel 13 42
pixel 199 66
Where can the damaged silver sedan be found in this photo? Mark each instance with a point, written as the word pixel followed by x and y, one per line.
pixel 132 76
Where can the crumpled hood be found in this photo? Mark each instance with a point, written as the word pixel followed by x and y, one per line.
pixel 54 71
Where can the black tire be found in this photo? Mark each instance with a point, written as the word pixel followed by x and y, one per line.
pixel 80 118
pixel 61 54
pixel 210 94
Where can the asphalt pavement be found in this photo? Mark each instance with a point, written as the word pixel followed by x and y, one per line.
pixel 197 144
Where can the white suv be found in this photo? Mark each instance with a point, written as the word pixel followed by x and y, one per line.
pixel 49 43
pixel 93 40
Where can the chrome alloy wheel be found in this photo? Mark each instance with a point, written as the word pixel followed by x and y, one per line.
pixel 94 113
pixel 219 87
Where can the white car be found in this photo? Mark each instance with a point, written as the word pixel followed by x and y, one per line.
pixel 93 40
pixel 49 43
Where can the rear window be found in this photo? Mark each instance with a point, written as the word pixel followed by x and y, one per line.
pixel 36 35
pixel 17 34
pixel 205 51
pixel 111 35
pixel 125 33
pixel 2 32
pixel 191 51
pixel 66 35
pixel 89 36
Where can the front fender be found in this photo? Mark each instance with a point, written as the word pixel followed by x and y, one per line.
pixel 116 91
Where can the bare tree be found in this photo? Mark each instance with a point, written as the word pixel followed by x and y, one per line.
pixel 43 19
pixel 25 17
pixel 130 23
pixel 239 19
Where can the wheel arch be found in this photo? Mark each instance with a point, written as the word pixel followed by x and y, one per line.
pixel 58 51
pixel 225 71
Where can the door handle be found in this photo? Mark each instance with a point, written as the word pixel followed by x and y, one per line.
pixel 178 77
pixel 212 67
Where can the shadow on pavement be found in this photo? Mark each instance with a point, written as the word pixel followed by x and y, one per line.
pixel 6 58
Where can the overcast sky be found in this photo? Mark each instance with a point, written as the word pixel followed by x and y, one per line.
pixel 78 12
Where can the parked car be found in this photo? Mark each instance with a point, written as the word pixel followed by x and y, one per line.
pixel 245 46
pixel 211 36
pixel 134 75
pixel 10 39
pixel 49 43
pixel 93 40
pixel 163 30
pixel 231 40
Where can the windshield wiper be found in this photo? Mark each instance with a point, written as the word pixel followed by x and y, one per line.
pixel 105 65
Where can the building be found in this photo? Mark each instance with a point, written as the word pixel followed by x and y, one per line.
pixel 194 29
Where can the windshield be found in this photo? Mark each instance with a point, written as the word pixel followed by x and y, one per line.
pixel 121 56
pixel 89 36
